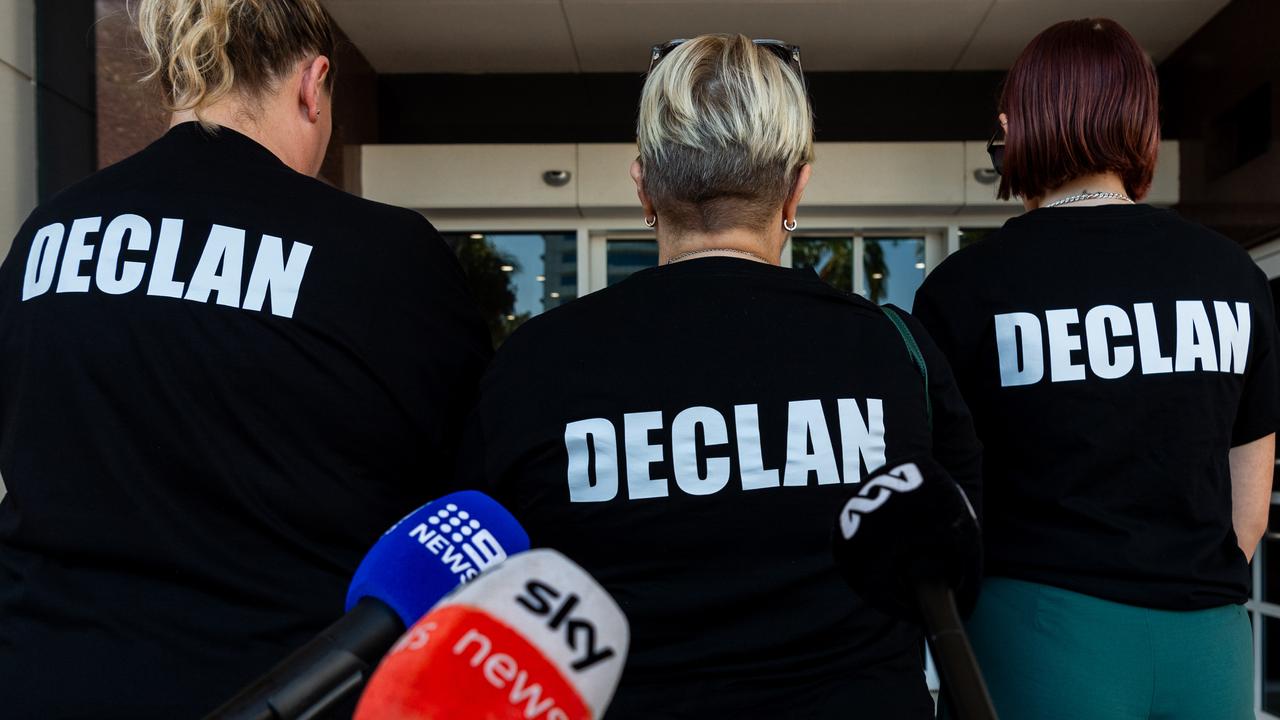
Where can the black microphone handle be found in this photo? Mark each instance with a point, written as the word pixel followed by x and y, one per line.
pixel 324 672
pixel 957 666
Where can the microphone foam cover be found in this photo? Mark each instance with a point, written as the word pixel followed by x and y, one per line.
pixel 909 522
pixel 535 638
pixel 434 549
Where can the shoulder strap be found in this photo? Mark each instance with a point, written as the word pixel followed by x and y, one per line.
pixel 914 350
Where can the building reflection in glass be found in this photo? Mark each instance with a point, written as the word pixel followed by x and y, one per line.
pixel 893 269
pixel 516 275
pixel 623 257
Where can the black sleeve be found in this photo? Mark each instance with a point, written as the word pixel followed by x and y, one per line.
pixel 928 310
pixel 1259 412
pixel 453 348
pixel 471 472
pixel 955 442
pixel 506 414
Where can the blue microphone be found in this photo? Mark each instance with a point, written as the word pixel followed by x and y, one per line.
pixel 422 558
pixel 435 549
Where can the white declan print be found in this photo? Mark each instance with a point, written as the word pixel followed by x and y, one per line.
pixel 218 272
pixel 862 440
pixel 902 479
pixel 1019 342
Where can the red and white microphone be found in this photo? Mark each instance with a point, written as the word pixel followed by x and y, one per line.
pixel 536 639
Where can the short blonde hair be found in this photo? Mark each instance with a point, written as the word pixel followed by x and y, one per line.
pixel 724 127
pixel 201 50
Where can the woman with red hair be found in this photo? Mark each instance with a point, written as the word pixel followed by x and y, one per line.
pixel 1121 366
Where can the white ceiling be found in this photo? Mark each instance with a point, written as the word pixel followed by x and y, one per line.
pixel 559 36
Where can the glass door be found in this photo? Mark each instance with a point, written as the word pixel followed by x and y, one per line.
pixel 882 268
pixel 516 275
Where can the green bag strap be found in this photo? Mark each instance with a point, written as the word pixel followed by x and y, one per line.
pixel 916 355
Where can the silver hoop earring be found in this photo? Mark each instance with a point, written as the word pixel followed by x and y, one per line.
pixel 650 220
pixel 789 225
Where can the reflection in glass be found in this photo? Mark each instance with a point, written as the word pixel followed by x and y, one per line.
pixel 831 258
pixel 893 269
pixel 515 276
pixel 623 257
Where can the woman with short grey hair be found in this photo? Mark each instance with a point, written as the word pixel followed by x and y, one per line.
pixel 688 434
pixel 726 141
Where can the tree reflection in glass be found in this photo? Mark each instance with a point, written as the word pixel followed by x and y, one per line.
pixel 515 276
pixel 898 259
pixel 831 258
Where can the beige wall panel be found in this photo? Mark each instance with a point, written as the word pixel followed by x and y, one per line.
pixel 17 35
pixel 17 153
pixel 1164 186
pixel 975 192
pixel 468 176
pixel 604 176
pixel 887 174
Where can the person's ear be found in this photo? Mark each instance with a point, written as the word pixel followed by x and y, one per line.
pixel 792 204
pixel 314 76
pixel 637 174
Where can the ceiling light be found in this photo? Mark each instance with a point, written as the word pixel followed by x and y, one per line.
pixel 508 268
pixel 877 276
pixel 555 294
pixel 919 266
pixel 477 236
pixel 541 278
pixel 511 317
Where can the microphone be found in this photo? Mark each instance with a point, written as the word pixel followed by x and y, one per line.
pixel 419 560
pixel 535 638
pixel 908 543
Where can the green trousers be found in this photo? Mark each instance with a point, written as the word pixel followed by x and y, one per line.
pixel 1050 654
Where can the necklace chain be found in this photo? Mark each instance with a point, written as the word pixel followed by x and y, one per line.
pixel 1086 195
pixel 692 253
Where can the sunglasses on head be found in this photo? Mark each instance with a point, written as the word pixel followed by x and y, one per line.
pixel 786 52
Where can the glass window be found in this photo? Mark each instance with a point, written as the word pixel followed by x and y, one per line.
pixel 893 268
pixel 624 257
pixel 1270 664
pixel 515 275
pixel 831 258
pixel 1268 556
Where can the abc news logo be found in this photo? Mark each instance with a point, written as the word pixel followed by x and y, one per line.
pixel 461 543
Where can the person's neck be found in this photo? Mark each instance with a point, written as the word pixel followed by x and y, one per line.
pixel 739 243
pixel 1107 182
pixel 229 113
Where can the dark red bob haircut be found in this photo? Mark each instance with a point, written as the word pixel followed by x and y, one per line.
pixel 1081 99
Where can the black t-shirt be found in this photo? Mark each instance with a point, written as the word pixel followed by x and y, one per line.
pixel 1112 356
pixel 688 436
pixel 220 381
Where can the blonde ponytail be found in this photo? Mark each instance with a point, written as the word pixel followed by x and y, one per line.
pixel 199 51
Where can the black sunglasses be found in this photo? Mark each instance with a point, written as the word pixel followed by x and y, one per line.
pixel 995 148
pixel 786 52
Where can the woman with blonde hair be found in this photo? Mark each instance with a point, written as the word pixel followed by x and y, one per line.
pixel 689 433
pixel 220 380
